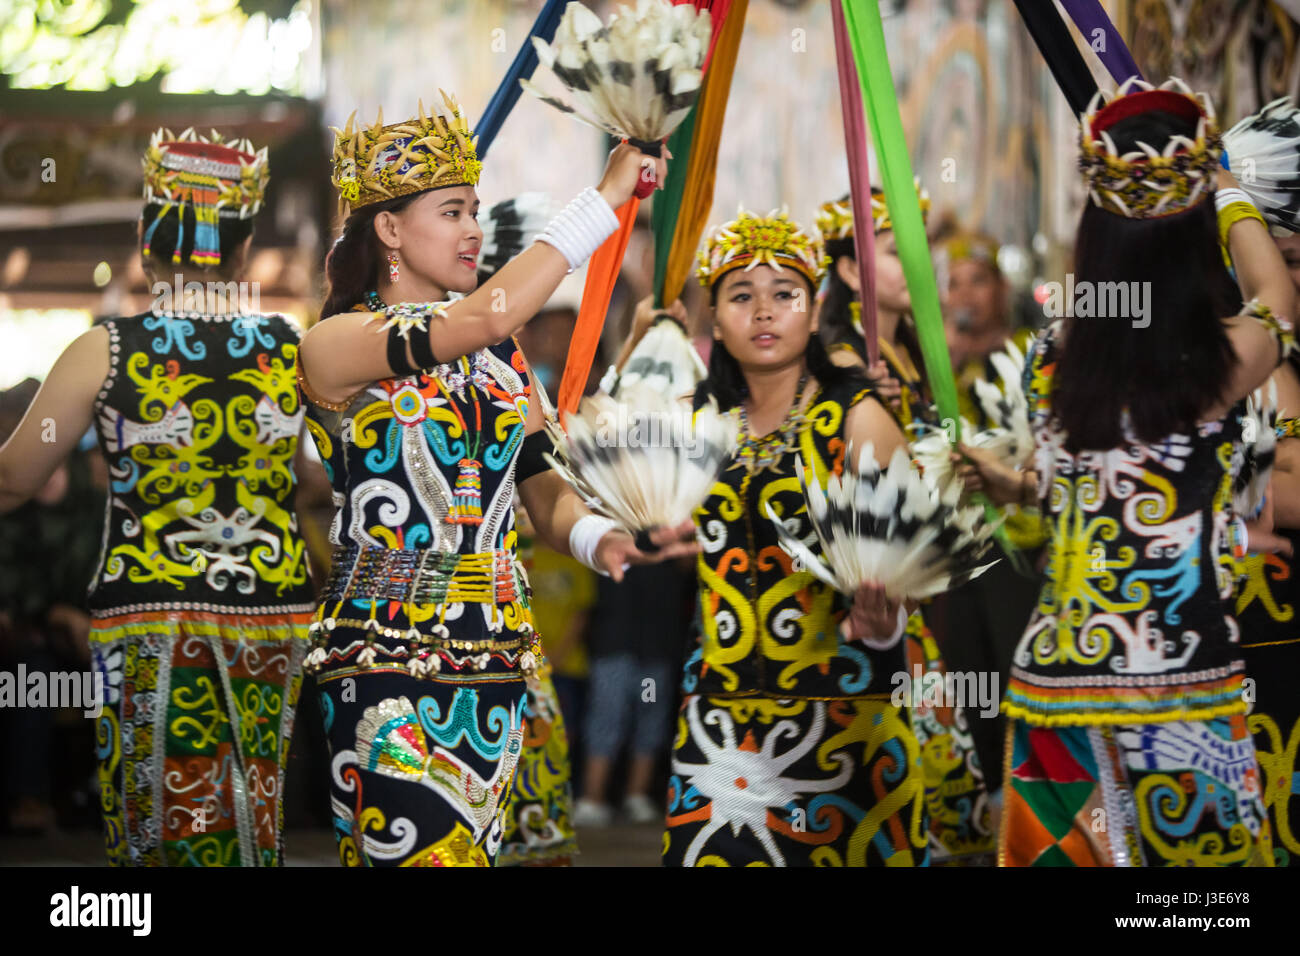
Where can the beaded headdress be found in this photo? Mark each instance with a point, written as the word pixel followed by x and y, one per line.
pixel 750 240
pixel 375 163
pixel 835 218
pixel 215 178
pixel 1156 179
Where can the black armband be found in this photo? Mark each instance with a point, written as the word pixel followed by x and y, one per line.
pixel 422 349
pixel 406 323
pixel 397 360
pixel 530 461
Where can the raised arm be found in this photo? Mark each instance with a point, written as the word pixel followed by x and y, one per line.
pixel 346 352
pixel 1263 277
pixel 59 415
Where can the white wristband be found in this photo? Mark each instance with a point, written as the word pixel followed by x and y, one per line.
pixel 580 227
pixel 1226 197
pixel 585 536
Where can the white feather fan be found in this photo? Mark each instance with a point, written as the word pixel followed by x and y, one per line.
pixel 509 227
pixel 1264 151
pixel 890 527
pixel 635 77
pixel 664 360
pixel 1259 441
pixel 643 459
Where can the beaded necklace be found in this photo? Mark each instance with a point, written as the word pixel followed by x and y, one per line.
pixel 467 494
pixel 757 453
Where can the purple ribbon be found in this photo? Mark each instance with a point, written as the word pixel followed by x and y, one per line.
pixel 1090 18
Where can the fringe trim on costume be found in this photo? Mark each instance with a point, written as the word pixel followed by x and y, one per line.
pixel 1119 716
pixel 272 628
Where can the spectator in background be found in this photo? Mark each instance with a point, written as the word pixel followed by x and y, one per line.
pixel 637 639
pixel 978 624
pixel 564 591
pixel 48 549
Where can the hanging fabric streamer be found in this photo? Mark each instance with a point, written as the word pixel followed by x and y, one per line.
pixel 602 271
pixel 1054 42
pixel 855 142
pixel 525 62
pixel 1102 38
pixel 682 208
pixel 867 38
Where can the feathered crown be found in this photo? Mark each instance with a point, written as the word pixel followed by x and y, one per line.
pixel 372 164
pixel 835 218
pixel 216 178
pixel 751 240
pixel 1155 179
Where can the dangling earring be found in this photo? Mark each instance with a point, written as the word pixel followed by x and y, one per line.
pixel 392 267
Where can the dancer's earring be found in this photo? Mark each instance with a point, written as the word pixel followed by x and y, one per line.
pixel 392 267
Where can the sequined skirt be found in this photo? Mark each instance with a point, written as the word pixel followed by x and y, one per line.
pixel 421 660
pixel 1178 793
pixel 194 735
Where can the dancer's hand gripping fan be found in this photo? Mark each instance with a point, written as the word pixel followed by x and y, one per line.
pixel 1264 152
pixel 635 77
pixel 643 459
pixel 1009 437
pixel 1259 446
pixel 892 528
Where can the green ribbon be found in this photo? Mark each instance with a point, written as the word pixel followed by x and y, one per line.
pixel 867 38
pixel 668 201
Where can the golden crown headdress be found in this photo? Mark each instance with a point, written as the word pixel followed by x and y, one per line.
pixel 217 179
pixel 969 245
pixel 1149 182
pixel 750 240
pixel 835 218
pixel 375 163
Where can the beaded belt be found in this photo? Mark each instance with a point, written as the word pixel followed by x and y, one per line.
pixel 423 577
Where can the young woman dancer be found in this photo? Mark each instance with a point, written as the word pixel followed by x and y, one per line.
pixel 1126 693
pixel 788 750
pixel 201 602
pixel 419 404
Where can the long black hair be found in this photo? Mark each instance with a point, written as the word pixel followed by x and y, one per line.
pixel 726 381
pixel 837 318
pixel 166 235
pixel 1170 372
pixel 352 266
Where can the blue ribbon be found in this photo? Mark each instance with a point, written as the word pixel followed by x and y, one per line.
pixel 525 62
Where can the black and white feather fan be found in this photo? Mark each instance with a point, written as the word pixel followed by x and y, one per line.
pixel 1259 447
pixel 643 459
pixel 636 76
pixel 891 527
pixel 664 360
pixel 1264 152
